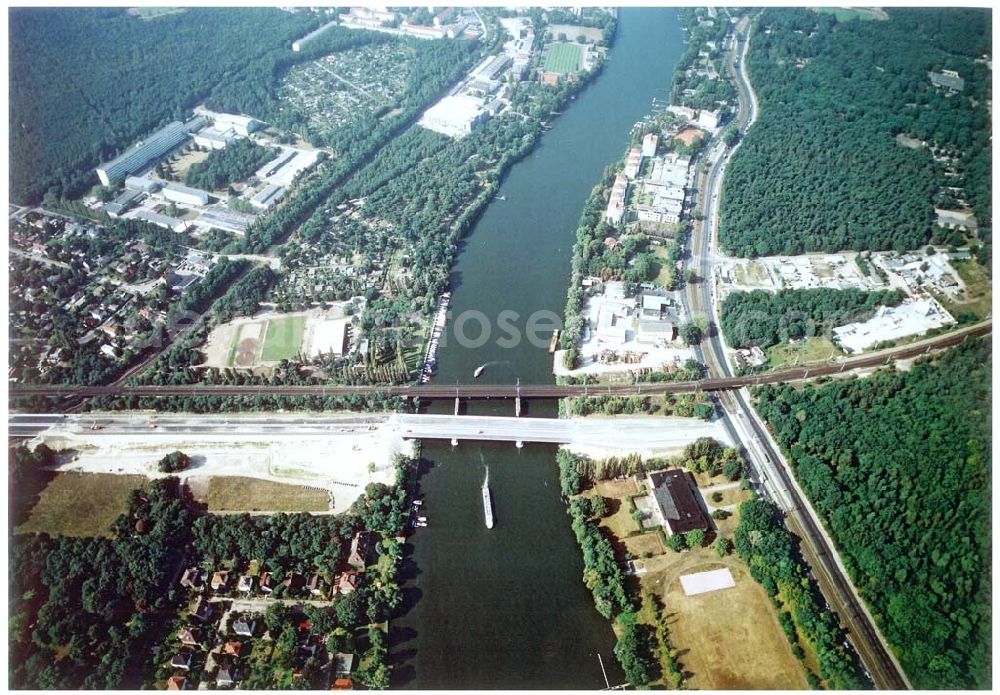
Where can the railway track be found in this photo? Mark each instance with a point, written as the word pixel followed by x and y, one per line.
pixel 480 391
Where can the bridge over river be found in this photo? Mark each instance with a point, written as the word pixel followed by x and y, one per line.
pixel 650 433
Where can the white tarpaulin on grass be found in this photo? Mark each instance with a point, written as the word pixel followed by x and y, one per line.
pixel 703 582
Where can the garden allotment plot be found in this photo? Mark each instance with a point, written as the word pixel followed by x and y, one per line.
pixel 337 89
pixel 563 58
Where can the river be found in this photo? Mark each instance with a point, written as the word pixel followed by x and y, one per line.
pixel 506 607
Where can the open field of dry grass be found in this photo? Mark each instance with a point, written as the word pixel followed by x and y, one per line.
pixel 727 639
pixel 231 494
pixel 81 504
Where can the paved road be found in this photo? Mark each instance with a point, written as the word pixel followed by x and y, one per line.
pixel 769 467
pixel 624 434
pixel 717 366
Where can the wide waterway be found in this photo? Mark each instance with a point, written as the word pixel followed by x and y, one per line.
pixel 506 607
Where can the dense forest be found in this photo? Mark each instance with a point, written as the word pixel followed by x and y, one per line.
pixel 898 467
pixel 235 162
pixel 765 319
pixel 821 169
pixel 87 83
pixel 97 602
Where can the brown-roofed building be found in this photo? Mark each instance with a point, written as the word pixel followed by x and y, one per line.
pixel 219 580
pixel 232 648
pixel 191 636
pixel 176 683
pixel 359 551
pixel 191 578
pixel 293 582
pixel 676 502
pixel 347 582
pixel 266 582
pixel 342 684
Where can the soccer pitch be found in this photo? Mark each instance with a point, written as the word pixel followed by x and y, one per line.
pixel 283 338
pixel 563 58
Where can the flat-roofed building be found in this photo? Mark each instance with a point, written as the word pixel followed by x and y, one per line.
pixel 267 197
pixel 223 218
pixel 241 125
pixel 612 324
pixel 649 143
pixel 616 202
pixel 142 153
pixel 184 194
pixel 455 116
pixel 171 223
pixel 141 183
pixel 633 163
pixel 214 139
pixel 708 120
pixel 948 79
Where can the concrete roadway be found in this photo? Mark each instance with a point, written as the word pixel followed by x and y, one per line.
pixel 621 434
pixel 769 468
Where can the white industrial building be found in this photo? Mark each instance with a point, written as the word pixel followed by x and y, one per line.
pixel 649 143
pixel 184 194
pixel 221 217
pixel 214 139
pixel 282 170
pixel 142 153
pixel 141 183
pixel 267 197
pixel 241 125
pixel 455 116
pixel 708 119
pixel 171 223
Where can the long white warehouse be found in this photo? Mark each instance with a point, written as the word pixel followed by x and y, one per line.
pixel 142 153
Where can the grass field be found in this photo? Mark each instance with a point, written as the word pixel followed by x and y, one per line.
pixel 563 58
pixel 666 275
pixel 230 494
pixel 844 14
pixel 728 639
pixel 283 338
pixel 817 349
pixel 81 504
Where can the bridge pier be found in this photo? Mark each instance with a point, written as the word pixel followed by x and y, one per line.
pixel 517 406
pixel 457 401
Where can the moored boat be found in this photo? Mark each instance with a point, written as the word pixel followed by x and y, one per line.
pixel 487 502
